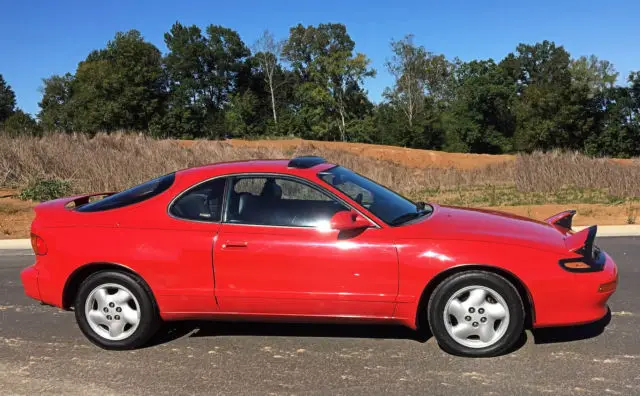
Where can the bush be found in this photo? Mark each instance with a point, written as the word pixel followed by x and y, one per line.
pixel 20 123
pixel 45 190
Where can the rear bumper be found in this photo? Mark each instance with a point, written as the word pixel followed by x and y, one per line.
pixel 29 277
pixel 584 300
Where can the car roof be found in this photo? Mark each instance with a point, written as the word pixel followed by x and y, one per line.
pixel 282 166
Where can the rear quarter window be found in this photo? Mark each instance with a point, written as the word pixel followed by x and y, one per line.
pixel 134 195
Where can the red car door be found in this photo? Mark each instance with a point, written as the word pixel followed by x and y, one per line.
pixel 275 255
pixel 182 244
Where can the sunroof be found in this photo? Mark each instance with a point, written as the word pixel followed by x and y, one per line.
pixel 305 162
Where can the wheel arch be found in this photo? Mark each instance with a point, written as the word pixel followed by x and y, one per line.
pixel 523 290
pixel 73 282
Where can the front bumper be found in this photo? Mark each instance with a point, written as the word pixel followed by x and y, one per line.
pixel 582 300
pixel 29 277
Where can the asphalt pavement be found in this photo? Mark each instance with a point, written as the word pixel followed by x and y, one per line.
pixel 43 351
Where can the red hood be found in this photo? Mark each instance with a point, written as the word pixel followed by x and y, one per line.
pixel 448 222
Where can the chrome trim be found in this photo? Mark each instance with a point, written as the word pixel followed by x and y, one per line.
pixel 271 226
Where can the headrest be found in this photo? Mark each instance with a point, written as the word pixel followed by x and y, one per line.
pixel 243 202
pixel 271 190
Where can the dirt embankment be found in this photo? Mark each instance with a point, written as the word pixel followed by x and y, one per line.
pixel 414 158
pixel 15 216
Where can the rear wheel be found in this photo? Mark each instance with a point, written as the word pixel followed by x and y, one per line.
pixel 116 310
pixel 476 313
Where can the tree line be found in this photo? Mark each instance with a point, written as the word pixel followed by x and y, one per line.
pixel 211 84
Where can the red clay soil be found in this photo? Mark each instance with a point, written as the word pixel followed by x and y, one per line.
pixel 15 216
pixel 405 156
pixel 414 158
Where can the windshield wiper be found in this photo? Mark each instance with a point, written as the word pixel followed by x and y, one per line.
pixel 408 217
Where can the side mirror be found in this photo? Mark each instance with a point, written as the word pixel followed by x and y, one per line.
pixel 348 220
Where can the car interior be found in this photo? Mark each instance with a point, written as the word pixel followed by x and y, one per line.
pixel 273 207
pixel 203 203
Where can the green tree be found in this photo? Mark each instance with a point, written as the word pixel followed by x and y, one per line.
pixel 595 74
pixel 209 85
pixel 20 123
pixel 268 51
pixel 619 132
pixel 550 112
pixel 480 119
pixel 391 126
pixel 634 91
pixel 120 86
pixel 56 107
pixel 7 100
pixel 242 118
pixel 329 76
pixel 202 72
pixel 408 66
pixel 411 116
pixel 440 73
pixel 249 110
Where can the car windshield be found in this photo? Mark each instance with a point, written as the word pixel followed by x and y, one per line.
pixel 387 205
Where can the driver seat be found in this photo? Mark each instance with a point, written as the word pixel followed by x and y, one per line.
pixel 271 191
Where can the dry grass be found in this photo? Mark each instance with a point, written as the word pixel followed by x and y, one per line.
pixel 116 161
pixel 553 171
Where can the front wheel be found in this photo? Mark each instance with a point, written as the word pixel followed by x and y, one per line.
pixel 116 310
pixel 476 313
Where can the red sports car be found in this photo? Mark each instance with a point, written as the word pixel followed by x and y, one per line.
pixel 307 240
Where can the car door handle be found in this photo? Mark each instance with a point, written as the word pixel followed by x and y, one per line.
pixel 234 244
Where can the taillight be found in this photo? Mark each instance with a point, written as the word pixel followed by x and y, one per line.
pixel 38 245
pixel 592 260
pixel 576 265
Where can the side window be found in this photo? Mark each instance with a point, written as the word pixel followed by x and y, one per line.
pixel 251 185
pixel 203 202
pixel 297 191
pixel 279 202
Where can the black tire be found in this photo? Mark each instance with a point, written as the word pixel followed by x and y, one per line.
pixel 445 290
pixel 149 318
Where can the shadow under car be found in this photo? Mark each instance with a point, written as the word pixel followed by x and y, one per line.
pixel 174 330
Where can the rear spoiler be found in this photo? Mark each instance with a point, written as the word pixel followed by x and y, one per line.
pixel 57 211
pixel 67 202
pixel 562 219
pixel 582 243
pixel 80 200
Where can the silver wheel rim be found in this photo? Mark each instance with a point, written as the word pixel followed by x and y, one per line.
pixel 476 316
pixel 112 311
